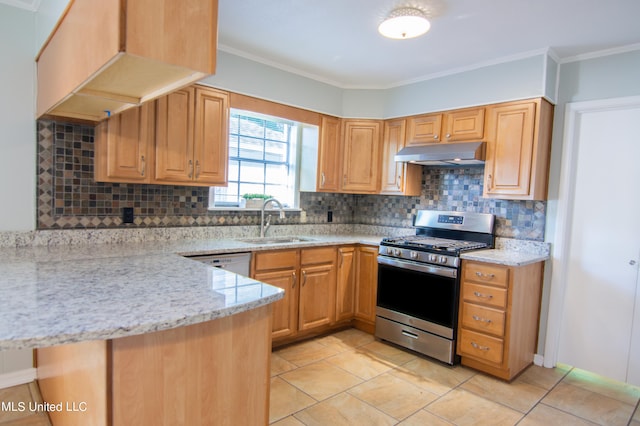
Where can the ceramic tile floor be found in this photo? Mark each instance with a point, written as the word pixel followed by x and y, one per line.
pixel 349 378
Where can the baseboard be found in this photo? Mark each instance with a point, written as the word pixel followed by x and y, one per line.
pixel 17 377
pixel 538 360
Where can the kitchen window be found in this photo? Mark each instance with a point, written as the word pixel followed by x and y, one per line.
pixel 263 159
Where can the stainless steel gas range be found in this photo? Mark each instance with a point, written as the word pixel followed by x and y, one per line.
pixel 419 280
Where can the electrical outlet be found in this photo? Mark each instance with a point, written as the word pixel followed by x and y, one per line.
pixel 329 216
pixel 127 215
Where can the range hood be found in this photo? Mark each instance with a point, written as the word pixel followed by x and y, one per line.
pixel 444 154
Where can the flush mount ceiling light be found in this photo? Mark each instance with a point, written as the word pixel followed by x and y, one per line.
pixel 404 22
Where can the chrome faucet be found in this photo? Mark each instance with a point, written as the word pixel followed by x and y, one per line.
pixel 263 226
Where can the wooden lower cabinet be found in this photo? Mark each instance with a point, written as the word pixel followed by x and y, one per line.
pixel 325 288
pixel 317 293
pixel 308 277
pixel 499 316
pixel 366 288
pixel 346 283
pixel 211 373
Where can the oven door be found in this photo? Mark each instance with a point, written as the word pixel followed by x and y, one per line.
pixel 422 296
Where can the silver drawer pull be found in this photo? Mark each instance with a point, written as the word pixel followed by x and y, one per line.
pixel 485 296
pixel 412 335
pixel 477 346
pixel 477 318
pixel 488 276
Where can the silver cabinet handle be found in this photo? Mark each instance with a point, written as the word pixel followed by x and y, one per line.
pixel 143 165
pixel 294 281
pixel 322 180
pixel 304 278
pixel 435 137
pixel 484 296
pixel 448 135
pixel 477 318
pixel 197 169
pixel 488 276
pixel 479 347
pixel 190 169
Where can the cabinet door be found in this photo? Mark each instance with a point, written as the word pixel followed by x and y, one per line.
pixel 367 283
pixel 464 125
pixel 317 296
pixel 174 137
pixel 285 310
pixel 518 144
pixel 346 285
pixel 329 155
pixel 211 136
pixel 424 129
pixel 361 164
pixel 122 146
pixel 398 178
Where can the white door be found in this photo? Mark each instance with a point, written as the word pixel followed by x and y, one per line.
pixel 597 327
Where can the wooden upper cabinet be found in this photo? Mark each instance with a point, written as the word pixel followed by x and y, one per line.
pixel 329 155
pixel 112 55
pixel 398 178
pixel 123 145
pixel 174 136
pixel 451 126
pixel 192 137
pixel 361 156
pixel 463 125
pixel 424 129
pixel 211 137
pixel 518 149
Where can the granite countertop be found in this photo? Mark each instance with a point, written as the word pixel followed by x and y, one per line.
pixel 65 294
pixel 505 257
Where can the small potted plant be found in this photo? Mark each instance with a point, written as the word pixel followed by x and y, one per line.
pixel 254 201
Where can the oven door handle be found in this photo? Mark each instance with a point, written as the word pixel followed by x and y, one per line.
pixel 419 267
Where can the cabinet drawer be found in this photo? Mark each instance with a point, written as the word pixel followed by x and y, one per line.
pixel 481 346
pixel 484 294
pixel 276 260
pixel 485 320
pixel 485 273
pixel 318 255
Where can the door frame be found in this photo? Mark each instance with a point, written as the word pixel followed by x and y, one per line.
pixel 566 193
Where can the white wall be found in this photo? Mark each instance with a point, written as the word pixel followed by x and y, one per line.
pixel 524 77
pixel 22 33
pixel 599 76
pixel 18 138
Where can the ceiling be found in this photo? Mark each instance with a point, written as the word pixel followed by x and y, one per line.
pixel 336 41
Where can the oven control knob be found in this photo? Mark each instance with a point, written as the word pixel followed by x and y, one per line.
pixel 389 250
pixel 397 252
pixel 433 258
pixel 442 260
pixel 413 255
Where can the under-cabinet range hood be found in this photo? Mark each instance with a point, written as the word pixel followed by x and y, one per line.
pixel 444 154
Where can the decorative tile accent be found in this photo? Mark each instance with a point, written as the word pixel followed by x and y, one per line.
pixel 69 198
pixel 456 189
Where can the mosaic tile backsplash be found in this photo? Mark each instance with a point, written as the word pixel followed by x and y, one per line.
pixel 69 198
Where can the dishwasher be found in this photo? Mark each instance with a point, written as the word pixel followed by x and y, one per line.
pixel 233 262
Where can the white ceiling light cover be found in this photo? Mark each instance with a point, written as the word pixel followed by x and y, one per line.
pixel 403 23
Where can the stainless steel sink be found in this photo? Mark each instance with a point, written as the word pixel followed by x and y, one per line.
pixel 274 240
